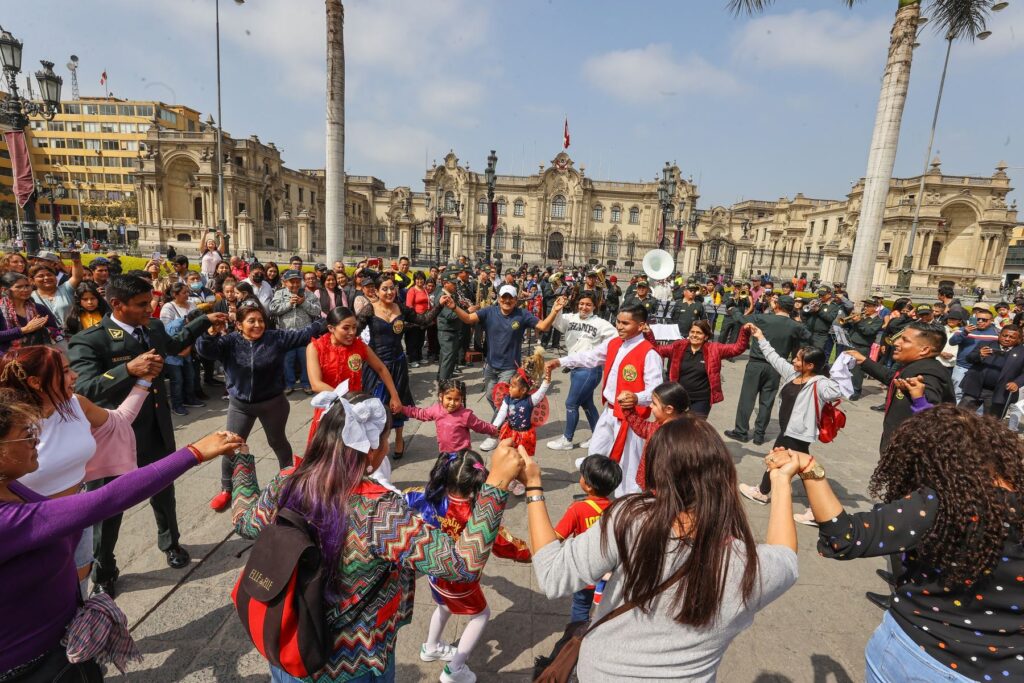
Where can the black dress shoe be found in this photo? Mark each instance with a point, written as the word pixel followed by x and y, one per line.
pixel 878 408
pixel 886 576
pixel 731 433
pixel 105 587
pixel 177 557
pixel 878 600
pixel 855 397
pixel 759 441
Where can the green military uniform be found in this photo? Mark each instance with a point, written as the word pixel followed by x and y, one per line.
pixel 100 356
pixel 760 381
pixel 862 335
pixel 820 322
pixel 735 307
pixel 685 314
pixel 449 338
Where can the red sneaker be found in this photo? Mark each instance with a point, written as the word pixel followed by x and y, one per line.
pixel 221 501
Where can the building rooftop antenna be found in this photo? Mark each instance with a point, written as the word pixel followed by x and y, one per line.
pixel 73 68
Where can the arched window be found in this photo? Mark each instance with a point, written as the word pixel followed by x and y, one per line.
pixel 449 202
pixel 613 245
pixel 616 214
pixel 519 208
pixel 268 211
pixel 481 206
pixel 197 208
pixel 499 239
pixel 558 207
pixel 501 207
pixel 555 243
pixel 598 213
pixel 634 216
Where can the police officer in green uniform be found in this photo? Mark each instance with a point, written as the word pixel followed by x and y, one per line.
pixel 862 328
pixel 450 331
pixel 760 380
pixel 687 311
pixel 109 359
pixel 820 316
pixel 643 297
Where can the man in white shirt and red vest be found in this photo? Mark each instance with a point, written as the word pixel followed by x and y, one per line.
pixel 631 366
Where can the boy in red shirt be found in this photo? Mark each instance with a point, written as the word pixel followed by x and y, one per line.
pixel 599 477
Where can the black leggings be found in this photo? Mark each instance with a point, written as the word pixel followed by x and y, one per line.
pixel 783 442
pixel 273 417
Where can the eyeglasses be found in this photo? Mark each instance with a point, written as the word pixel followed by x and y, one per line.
pixel 983 320
pixel 33 435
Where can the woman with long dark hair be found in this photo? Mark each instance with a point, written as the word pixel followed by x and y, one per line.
pixel 418 300
pixel 696 363
pixel 88 310
pixel 372 544
pixel 273 275
pixel 806 387
pixel 22 321
pixel 387 319
pixel 952 520
pixel 690 543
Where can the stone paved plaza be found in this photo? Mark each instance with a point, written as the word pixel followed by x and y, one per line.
pixel 186 628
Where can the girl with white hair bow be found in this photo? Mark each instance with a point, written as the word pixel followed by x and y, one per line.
pixel 371 542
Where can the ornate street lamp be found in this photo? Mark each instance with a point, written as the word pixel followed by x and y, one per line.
pixel 51 189
pixel 15 113
pixel 490 175
pixel 666 191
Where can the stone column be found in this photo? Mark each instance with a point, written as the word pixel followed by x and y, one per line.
pixel 404 237
pixel 245 235
pixel 302 227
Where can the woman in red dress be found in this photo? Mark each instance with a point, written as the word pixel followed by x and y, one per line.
pixel 338 356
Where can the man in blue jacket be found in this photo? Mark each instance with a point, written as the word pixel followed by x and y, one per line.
pixel 979 330
pixel 996 373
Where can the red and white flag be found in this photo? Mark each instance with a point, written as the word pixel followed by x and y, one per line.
pixel 103 77
pixel 565 135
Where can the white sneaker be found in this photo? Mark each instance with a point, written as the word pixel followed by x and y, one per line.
pixel 561 444
pixel 444 652
pixel 579 461
pixel 489 444
pixel 585 444
pixel 753 493
pixel 517 487
pixel 463 675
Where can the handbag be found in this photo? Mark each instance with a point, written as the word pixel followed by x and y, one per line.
pixel 561 668
pixel 830 419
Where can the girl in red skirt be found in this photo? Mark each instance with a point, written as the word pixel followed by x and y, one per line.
pixel 447 502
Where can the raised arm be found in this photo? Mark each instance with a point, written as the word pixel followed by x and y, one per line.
pixel 738 346
pixel 545 324
pixel 780 365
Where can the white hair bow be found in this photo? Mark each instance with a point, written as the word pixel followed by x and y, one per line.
pixel 364 421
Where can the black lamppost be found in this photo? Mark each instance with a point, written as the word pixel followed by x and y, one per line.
pixel 440 208
pixel 51 189
pixel 666 191
pixel 492 162
pixel 15 113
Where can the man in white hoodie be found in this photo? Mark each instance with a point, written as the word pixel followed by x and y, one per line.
pixel 582 331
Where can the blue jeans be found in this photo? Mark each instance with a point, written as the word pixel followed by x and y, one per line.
pixel 958 373
pixel 582 382
pixel 292 357
pixel 281 676
pixel 892 657
pixel 581 602
pixel 182 383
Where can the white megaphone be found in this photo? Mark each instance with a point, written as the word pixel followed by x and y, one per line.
pixel 658 264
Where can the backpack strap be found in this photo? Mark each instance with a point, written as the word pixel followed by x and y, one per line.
pixel 597 508
pixel 817 410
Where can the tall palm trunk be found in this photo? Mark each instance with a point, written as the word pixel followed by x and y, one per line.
pixel 884 140
pixel 334 198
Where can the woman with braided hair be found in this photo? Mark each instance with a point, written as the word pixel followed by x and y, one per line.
pixel 952 518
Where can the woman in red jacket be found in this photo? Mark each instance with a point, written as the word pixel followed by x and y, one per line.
pixel 696 363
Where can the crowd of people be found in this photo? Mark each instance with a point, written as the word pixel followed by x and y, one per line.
pixel 658 553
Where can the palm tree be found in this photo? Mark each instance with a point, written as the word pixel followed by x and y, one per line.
pixel 334 198
pixel 960 19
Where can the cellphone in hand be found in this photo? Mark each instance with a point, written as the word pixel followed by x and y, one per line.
pixel 68 255
pixel 156 256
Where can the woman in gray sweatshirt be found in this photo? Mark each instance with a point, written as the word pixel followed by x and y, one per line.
pixel 693 530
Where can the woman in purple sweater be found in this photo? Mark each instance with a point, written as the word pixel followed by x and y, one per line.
pixel 38 536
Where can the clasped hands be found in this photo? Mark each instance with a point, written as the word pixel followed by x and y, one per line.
pixel 784 464
pixel 510 462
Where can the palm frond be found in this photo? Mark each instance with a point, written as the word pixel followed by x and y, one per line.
pixel 738 7
pixel 962 19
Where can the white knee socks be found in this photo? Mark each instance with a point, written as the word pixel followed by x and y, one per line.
pixel 470 637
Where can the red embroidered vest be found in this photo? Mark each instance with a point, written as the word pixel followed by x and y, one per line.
pixel 630 377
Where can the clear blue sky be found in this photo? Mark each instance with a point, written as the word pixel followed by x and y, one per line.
pixel 751 107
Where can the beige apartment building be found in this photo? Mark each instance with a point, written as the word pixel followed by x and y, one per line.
pixel 93 147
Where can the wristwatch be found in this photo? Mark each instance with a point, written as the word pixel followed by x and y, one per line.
pixel 535 499
pixel 815 472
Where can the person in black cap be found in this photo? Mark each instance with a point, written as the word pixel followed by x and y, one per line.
pixel 820 315
pixel 687 311
pixel 862 328
pixel 760 380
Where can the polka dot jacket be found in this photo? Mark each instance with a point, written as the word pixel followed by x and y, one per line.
pixel 976 630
